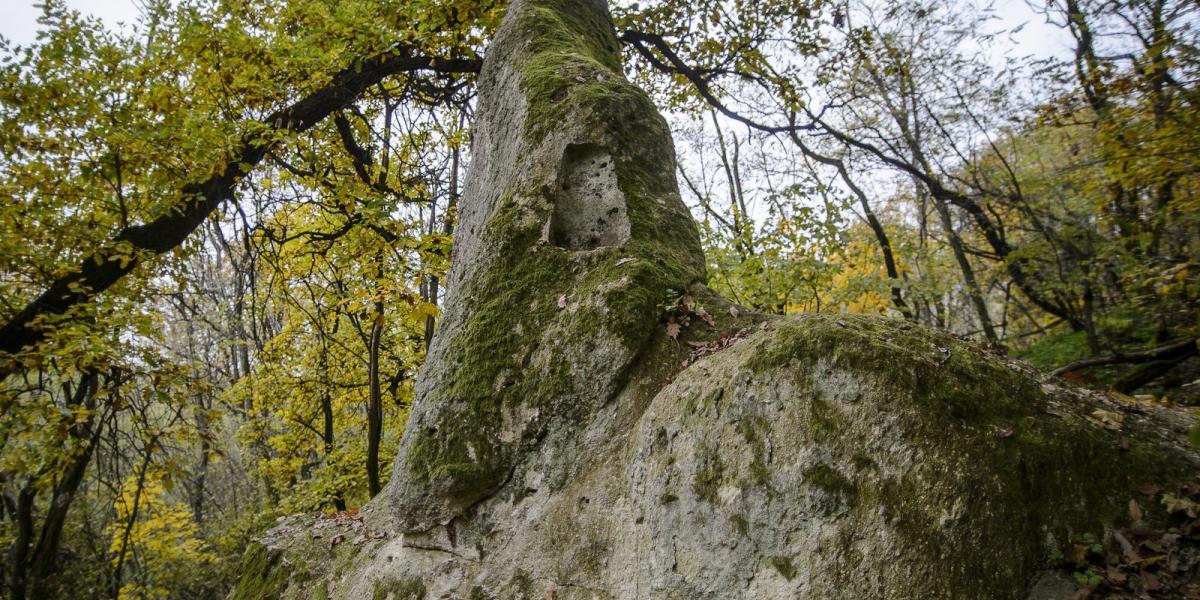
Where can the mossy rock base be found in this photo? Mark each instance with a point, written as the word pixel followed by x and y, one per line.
pixel 821 457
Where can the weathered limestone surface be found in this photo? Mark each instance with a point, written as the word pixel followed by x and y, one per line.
pixel 563 446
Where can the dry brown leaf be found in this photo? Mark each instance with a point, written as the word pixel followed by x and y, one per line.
pixel 1115 575
pixel 1122 397
pixel 1150 582
pixel 1108 419
pixel 673 330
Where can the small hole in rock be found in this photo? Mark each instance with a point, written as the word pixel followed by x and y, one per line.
pixel 589 210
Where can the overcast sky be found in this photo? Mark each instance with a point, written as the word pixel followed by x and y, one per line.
pixel 18 18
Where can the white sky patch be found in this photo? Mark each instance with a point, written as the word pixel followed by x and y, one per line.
pixel 18 18
pixel 1036 38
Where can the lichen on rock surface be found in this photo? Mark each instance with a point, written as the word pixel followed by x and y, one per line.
pixel 562 444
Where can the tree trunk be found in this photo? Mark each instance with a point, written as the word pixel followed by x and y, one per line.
pixel 968 272
pixel 374 403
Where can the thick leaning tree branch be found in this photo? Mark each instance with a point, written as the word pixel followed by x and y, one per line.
pixel 105 266
pixel 881 237
pixel 1176 350
pixel 672 64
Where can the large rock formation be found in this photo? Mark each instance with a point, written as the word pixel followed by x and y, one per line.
pixel 563 445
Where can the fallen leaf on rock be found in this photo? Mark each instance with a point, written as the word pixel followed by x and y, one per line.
pixel 1115 575
pixel 1127 549
pixel 702 349
pixel 673 330
pixel 1149 560
pixel 1150 582
pixel 1077 377
pixel 1108 419
pixel 1135 511
pixel 1122 397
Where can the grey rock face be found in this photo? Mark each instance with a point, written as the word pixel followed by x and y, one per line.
pixel 571 235
pixel 562 445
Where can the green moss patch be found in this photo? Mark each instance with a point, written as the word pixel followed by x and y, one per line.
pixel 526 288
pixel 783 565
pixel 398 589
pixel 706 483
pixel 263 574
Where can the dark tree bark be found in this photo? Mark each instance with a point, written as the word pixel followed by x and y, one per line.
pixel 881 236
pixel 374 404
pixel 968 272
pixel 33 563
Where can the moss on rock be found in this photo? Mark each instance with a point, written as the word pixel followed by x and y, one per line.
pixel 706 482
pixel 889 439
pixel 404 588
pixel 263 574
pixel 598 308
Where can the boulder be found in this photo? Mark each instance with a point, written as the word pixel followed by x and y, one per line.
pixel 594 422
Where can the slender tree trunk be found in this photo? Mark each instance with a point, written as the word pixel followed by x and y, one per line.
pixel 447 228
pixel 119 565
pixel 327 433
pixel 375 404
pixel 327 438
pixel 18 553
pixel 202 475
pixel 968 272
pixel 33 568
pixel 881 236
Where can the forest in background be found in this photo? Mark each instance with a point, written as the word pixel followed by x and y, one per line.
pixel 223 231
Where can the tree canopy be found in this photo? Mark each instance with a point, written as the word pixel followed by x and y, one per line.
pixel 225 228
